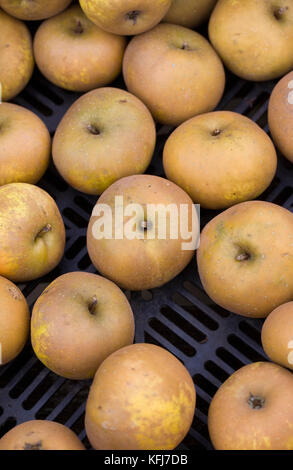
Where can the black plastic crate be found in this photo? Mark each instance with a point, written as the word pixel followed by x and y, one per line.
pixel 211 342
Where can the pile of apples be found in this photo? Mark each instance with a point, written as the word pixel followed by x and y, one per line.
pixel 142 397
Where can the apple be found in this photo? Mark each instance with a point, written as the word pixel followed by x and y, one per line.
pixel 245 258
pixel 78 321
pixel 220 159
pixel 175 72
pixel 105 135
pixel 33 10
pixel 16 58
pixel 253 410
pixel 149 255
pixel 14 321
pixel 142 398
pixel 277 335
pixel 25 145
pixel 254 39
pixel 32 235
pixel 40 435
pixel 189 13
pixel 280 115
pixel 126 17
pixel 75 54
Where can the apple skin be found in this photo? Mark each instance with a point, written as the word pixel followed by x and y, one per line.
pixel 33 10
pixel 40 435
pixel 277 335
pixel 260 235
pixel 220 159
pixel 95 55
pixel 254 39
pixel 125 17
pixel 159 67
pixel 189 13
pixel 16 58
pixel 280 115
pixel 142 398
pixel 25 145
pixel 78 321
pixel 233 422
pixel 140 264
pixel 14 321
pixel 32 236
pixel 123 146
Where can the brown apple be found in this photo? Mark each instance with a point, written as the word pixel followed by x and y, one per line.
pixel 16 58
pixel 40 435
pixel 220 159
pixel 254 39
pixel 106 134
pixel 78 321
pixel 143 253
pixel 14 321
pixel 277 335
pixel 25 145
pixel 189 13
pixel 142 398
pixel 75 54
pixel 280 115
pixel 32 236
pixel 245 258
pixel 175 72
pixel 126 17
pixel 253 410
pixel 33 10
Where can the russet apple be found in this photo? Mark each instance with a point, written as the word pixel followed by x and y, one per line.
pixel 126 17
pixel 33 9
pixel 16 58
pixel 142 398
pixel 32 235
pixel 189 13
pixel 151 255
pixel 175 72
pixel 254 39
pixel 280 115
pixel 277 335
pixel 14 321
pixel 40 435
pixel 78 321
pixel 245 258
pixel 75 54
pixel 253 410
pixel 220 159
pixel 25 145
pixel 105 135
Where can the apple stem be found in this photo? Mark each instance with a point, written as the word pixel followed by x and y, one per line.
pixel 243 257
pixel 185 47
pixel 93 129
pixel 280 12
pixel 92 305
pixel 44 230
pixel 78 27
